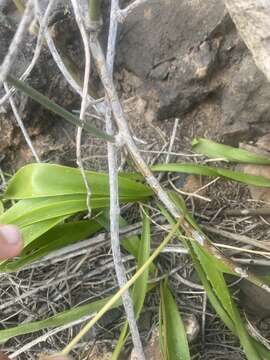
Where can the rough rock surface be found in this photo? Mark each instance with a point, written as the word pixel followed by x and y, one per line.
pixel 181 58
pixel 189 54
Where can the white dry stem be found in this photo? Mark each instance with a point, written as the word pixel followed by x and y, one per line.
pixel 3 3
pixel 21 124
pixel 84 102
pixel 123 127
pixel 16 41
pixel 98 106
pixel 173 136
pixel 39 44
pixel 172 140
pixel 56 56
pixel 114 196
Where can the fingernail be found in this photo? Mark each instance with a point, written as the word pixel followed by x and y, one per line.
pixel 11 234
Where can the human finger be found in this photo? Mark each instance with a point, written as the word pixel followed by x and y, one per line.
pixel 11 242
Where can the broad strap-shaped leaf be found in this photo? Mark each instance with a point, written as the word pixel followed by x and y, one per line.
pixel 173 336
pixel 220 287
pixel 33 231
pixel 56 238
pixel 212 296
pixel 45 180
pixel 63 318
pixel 218 292
pixel 216 151
pixel 30 211
pixel 140 287
pixel 30 233
pixel 237 327
pixel 205 170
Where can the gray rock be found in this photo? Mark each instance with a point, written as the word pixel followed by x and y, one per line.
pixel 246 97
pixel 189 52
pixel 167 44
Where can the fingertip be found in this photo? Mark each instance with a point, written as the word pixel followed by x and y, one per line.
pixel 11 242
pixel 3 356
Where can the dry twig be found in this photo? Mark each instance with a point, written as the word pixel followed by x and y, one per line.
pixel 84 102
pixel 114 197
pixel 39 44
pixel 16 41
pixel 21 124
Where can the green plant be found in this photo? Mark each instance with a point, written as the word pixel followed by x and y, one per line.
pixel 51 204
pixel 47 197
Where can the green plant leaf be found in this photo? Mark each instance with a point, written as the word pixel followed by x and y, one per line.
pixel 203 278
pixel 215 172
pixel 56 109
pixel 44 180
pixel 215 150
pixel 59 319
pixel 30 211
pixel 33 231
pixel 2 209
pixel 235 324
pixel 36 216
pixel 59 236
pixel 221 289
pixel 140 287
pixel 219 296
pixel 215 277
pixel 212 268
pixel 173 337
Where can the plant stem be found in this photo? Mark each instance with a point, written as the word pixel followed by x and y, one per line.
pixel 94 12
pixel 39 44
pixel 117 296
pixel 14 46
pixel 84 102
pixel 19 5
pixel 21 125
pixel 114 196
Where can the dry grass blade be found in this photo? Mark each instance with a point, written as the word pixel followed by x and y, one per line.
pixel 130 282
